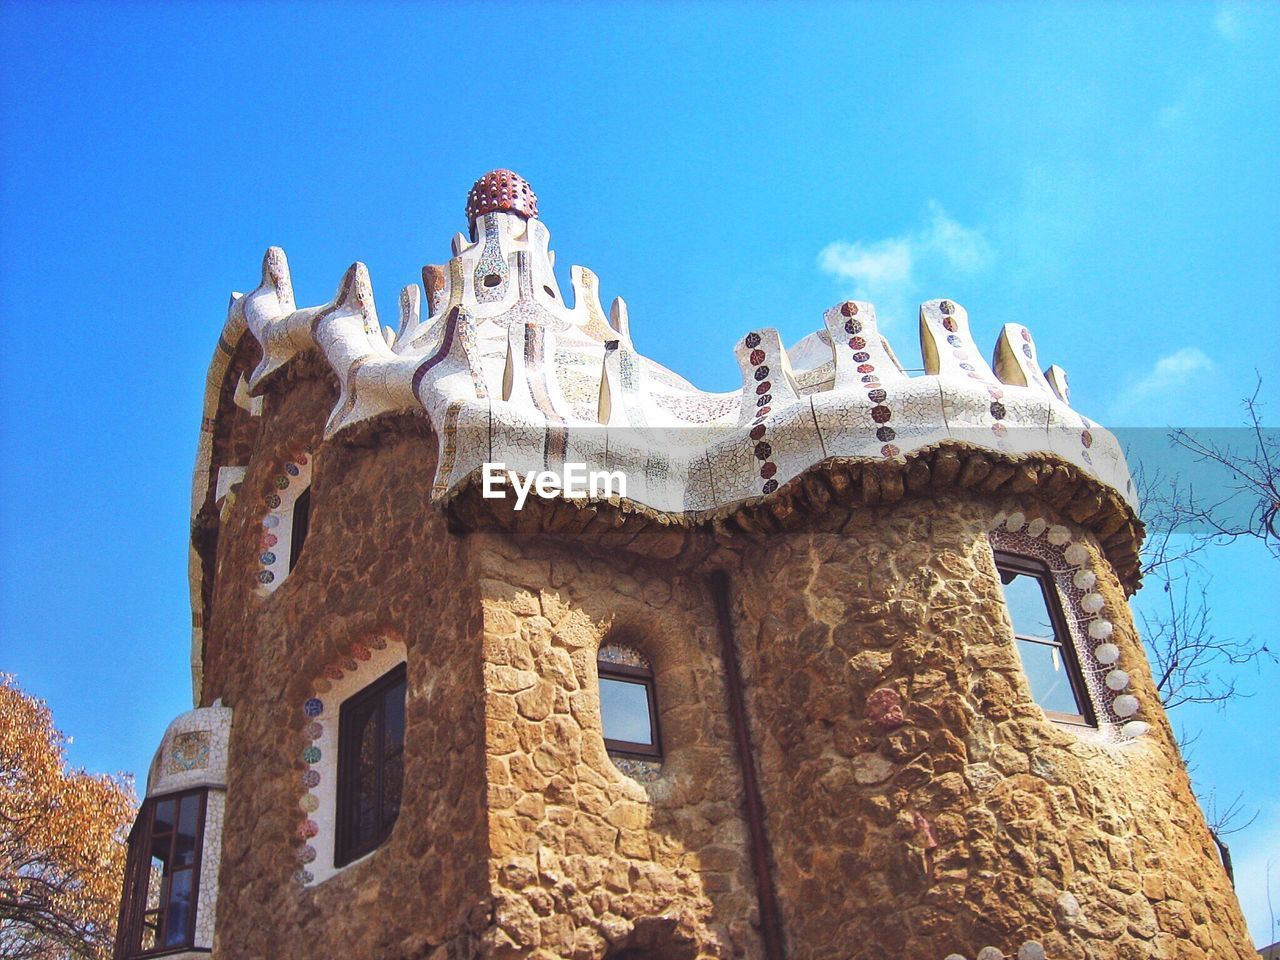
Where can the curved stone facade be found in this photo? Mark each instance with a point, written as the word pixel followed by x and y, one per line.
pixel 852 760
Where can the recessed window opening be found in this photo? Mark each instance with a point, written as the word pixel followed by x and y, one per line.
pixel 301 524
pixel 628 703
pixel 162 877
pixel 549 292
pixel 1043 640
pixel 491 280
pixel 370 766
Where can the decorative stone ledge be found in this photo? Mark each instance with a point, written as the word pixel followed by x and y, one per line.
pixel 831 484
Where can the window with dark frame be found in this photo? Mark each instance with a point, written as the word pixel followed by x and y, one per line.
pixel 629 710
pixel 370 766
pixel 301 524
pixel 1043 639
pixel 162 876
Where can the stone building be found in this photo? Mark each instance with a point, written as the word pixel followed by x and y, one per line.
pixel 839 664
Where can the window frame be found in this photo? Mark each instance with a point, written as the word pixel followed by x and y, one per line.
pixel 1063 639
pixel 346 848
pixel 626 673
pixel 133 907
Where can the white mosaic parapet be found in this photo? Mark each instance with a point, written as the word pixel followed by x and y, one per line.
pixel 193 752
pixel 508 372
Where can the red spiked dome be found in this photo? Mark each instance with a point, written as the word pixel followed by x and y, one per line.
pixel 501 191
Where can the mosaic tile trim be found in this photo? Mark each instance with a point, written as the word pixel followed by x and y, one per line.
pixel 189 751
pixel 193 752
pixel 457 348
pixel 1015 360
pixel 210 860
pixel 759 372
pixel 275 540
pixel 629 374
pixel 527 310
pixel 863 364
pixel 644 771
pixel 624 655
pixel 491 273
pixel 1056 377
pixel 536 373
pixel 1090 625
pixel 1030 950
pixel 448 450
pixel 949 350
pixel 596 326
pixel 349 672
pixel 578 384
pixel 651 414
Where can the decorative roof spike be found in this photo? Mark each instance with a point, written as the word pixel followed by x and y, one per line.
pixel 1014 359
pixel 433 281
pixel 501 191
pixel 1057 379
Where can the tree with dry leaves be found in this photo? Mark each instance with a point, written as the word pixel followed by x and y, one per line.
pixel 62 840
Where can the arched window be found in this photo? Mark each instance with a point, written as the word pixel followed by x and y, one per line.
pixel 1062 626
pixel 628 703
pixel 1043 639
pixel 370 766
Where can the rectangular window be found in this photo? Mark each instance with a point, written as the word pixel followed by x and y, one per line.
pixel 1044 643
pixel 628 710
pixel 162 877
pixel 370 766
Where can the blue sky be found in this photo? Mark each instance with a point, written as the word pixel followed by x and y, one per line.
pixel 1105 174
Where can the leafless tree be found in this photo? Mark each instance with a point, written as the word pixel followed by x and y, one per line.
pixel 1193 663
pixel 1253 481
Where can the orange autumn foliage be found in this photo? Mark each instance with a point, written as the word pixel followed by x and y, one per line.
pixel 62 840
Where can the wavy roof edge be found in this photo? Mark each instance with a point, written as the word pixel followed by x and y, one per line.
pixel 507 372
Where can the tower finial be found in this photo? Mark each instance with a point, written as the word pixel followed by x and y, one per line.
pixel 501 191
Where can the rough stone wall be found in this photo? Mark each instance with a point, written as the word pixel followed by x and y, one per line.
pixel 974 821
pixel 377 559
pixel 586 861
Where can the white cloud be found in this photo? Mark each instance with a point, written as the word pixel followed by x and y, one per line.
pixel 1228 21
pixel 1169 371
pixel 1172 115
pixel 964 248
pixel 886 262
pixel 883 270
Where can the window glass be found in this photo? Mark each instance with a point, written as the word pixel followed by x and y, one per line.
pixel 1043 641
pixel 162 876
pixel 371 766
pixel 1048 674
pixel 393 731
pixel 165 811
pixel 628 703
pixel 178 915
pixel 185 841
pixel 624 710
pixel 1028 607
pixel 300 526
